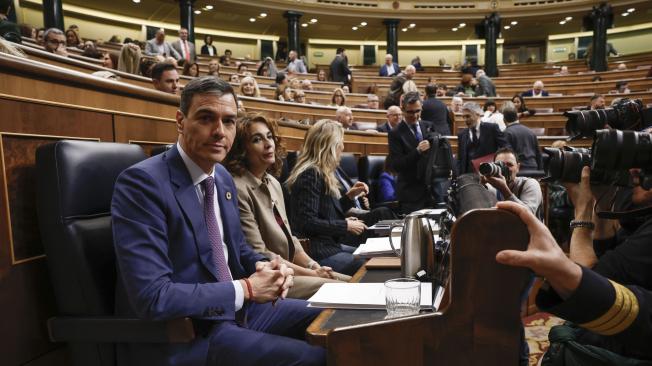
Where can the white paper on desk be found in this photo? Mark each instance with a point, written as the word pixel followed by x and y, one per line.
pixel 360 296
pixel 375 247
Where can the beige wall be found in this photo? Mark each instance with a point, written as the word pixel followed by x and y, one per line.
pixel 558 50
pixel 328 51
pixel 632 42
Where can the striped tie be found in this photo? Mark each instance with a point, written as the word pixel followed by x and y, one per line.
pixel 214 235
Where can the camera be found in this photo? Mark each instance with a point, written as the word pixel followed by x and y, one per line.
pixel 627 114
pixel 613 153
pixel 495 169
pixel 565 164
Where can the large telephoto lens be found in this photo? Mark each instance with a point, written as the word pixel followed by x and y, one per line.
pixel 585 123
pixel 565 165
pixel 615 150
pixel 494 169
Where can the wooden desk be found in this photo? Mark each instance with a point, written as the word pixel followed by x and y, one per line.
pixel 480 325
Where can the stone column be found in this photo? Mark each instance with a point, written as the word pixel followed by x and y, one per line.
pixel 600 18
pixel 53 14
pixel 491 25
pixel 294 43
pixel 392 37
pixel 187 18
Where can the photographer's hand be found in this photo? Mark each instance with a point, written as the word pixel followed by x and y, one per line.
pixel 581 243
pixel 500 183
pixel 543 255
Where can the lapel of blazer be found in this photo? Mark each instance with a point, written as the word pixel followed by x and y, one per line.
pixel 186 195
pixel 407 136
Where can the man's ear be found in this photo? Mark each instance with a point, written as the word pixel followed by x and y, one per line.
pixel 181 119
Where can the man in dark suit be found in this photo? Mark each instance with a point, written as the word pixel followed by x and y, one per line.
pixel 536 91
pixel 394 115
pixel 184 47
pixel 408 147
pixel 340 67
pixel 478 140
pixel 181 251
pixel 390 68
pixel 435 111
pixel 486 86
pixel 522 140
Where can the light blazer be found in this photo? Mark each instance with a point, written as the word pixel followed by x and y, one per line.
pixel 164 257
pixel 383 70
pixel 151 49
pixel 256 198
pixel 191 47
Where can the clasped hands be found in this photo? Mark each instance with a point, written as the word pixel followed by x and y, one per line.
pixel 272 280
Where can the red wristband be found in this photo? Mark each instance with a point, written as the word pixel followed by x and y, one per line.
pixel 249 290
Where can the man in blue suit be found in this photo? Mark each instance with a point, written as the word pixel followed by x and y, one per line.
pixel 390 68
pixel 536 91
pixel 181 252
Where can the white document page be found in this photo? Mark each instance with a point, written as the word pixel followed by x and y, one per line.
pixel 360 296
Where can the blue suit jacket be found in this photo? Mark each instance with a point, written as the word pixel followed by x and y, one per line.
pixel 164 257
pixel 383 70
pixel 530 93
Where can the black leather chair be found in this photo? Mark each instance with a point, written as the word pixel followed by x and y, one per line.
pixel 74 189
pixel 349 164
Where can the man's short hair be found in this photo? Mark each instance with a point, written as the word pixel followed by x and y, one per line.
pixel 472 107
pixel 160 68
pixel 204 85
pixel 621 83
pixel 52 31
pixel 506 150
pixel 431 89
pixel 596 96
pixel 410 98
pixel 342 109
pixel 280 77
pixel 509 113
pixel 339 50
pixel 372 98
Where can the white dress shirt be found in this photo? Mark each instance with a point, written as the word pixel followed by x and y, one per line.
pixel 198 176
pixel 390 69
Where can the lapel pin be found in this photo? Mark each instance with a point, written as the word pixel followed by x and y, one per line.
pixel 228 195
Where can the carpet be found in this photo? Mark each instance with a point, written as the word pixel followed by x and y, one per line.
pixel 537 327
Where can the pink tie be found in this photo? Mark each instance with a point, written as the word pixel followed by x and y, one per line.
pixel 185 46
pixel 214 235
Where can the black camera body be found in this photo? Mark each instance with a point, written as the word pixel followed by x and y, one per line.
pixel 495 169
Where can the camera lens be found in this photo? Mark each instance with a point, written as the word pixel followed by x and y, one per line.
pixel 615 150
pixel 566 165
pixel 489 169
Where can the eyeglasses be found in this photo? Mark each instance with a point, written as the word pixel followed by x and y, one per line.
pixel 394 115
pixel 416 111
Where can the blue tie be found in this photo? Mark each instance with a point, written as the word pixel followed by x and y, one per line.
pixel 417 133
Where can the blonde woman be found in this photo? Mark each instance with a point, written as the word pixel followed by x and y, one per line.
pixel 317 206
pixel 249 87
pixel 339 98
pixel 254 160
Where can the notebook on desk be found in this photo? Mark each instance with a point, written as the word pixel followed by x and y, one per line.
pixel 383 263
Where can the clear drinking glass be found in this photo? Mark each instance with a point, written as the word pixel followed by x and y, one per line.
pixel 402 297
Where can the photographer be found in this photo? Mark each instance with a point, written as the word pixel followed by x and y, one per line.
pixel 616 317
pixel 628 256
pixel 522 190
